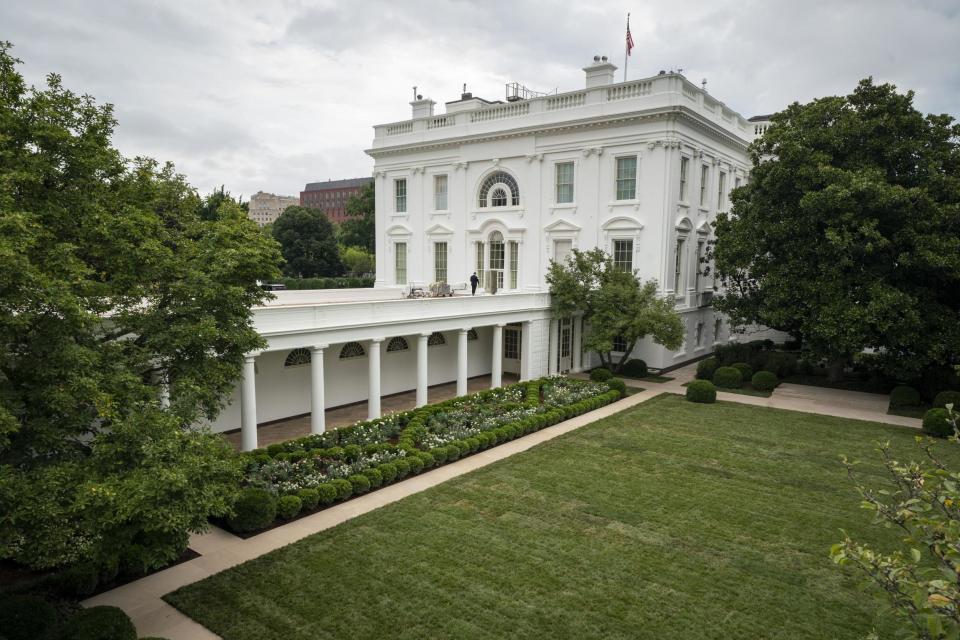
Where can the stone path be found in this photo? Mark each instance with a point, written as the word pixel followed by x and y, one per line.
pixel 221 550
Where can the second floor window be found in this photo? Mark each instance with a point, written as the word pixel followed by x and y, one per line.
pixel 440 262
pixel 678 269
pixel 401 262
pixel 684 167
pixel 721 192
pixel 704 180
pixel 696 284
pixel 440 193
pixel 400 195
pixel 627 178
pixel 564 182
pixel 514 263
pixel 623 255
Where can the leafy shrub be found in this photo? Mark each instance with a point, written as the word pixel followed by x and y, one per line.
pixel 310 498
pixel 779 364
pixel 947 397
pixel 706 368
pixel 254 509
pixel 701 391
pixel 935 423
pixel 764 381
pixel 600 374
pixel 352 452
pixel 746 371
pixel 427 459
pixel 26 617
pixel 388 471
pixel 618 385
pixel 289 507
pixel 728 378
pixel 904 396
pixel 275 449
pixel 374 476
pixel 402 465
pixel 473 443
pixel 635 368
pixel 439 455
pixel 327 283
pixel 343 487
pixel 416 464
pixel 327 492
pixel 360 484
pixel 79 580
pixel 98 623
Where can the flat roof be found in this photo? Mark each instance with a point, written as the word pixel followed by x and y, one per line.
pixel 337 184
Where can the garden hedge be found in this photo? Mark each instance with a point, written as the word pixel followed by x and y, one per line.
pixel 935 423
pixel 600 374
pixel 618 385
pixel 764 381
pixel 947 397
pixel 904 396
pixel 25 617
pixel 635 368
pixel 746 371
pixel 254 509
pixel 728 378
pixel 706 368
pixel 701 391
pixel 98 623
pixel 288 507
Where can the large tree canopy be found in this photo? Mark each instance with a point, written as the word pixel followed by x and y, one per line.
pixel 308 243
pixel 613 302
pixel 114 289
pixel 848 232
pixel 359 230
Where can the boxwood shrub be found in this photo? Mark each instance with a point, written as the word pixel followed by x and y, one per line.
pixel 618 385
pixel 764 381
pixel 706 368
pixel 360 484
pixel 327 492
pixel 728 378
pixel 289 507
pixel 374 476
pixel 428 460
pixel 388 471
pixel 935 423
pixel 635 368
pixel 415 462
pixel 701 391
pixel 600 374
pixel 254 509
pixel 746 371
pixel 309 497
pixel 904 396
pixel 97 623
pixel 24 617
pixel 402 465
pixel 947 397
pixel 344 488
pixel 439 455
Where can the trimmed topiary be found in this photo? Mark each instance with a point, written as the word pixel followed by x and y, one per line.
pixel 935 423
pixel 416 464
pixel 360 484
pixel 389 472
pixel 254 509
pixel 728 378
pixel 439 455
pixel 375 477
pixel 947 397
pixel 309 497
pixel 618 385
pixel 904 396
pixel 701 391
pixel 764 381
pixel 635 368
pixel 403 468
pixel 26 617
pixel 79 580
pixel 352 452
pixel 428 460
pixel 746 371
pixel 344 488
pixel 289 507
pixel 600 374
pixel 98 623
pixel 327 492
pixel 706 368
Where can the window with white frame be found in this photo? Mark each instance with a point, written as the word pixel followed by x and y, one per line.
pixel 480 262
pixel 514 263
pixel 400 262
pixel 496 260
pixel 498 198
pixel 704 180
pixel 472 334
pixel 564 182
pixel 620 344
pixel 511 344
pixel 440 262
pixel 400 195
pixel 498 190
pixel 440 192
pixel 736 183
pixel 696 277
pixel 398 344
pixel 436 339
pixel 684 168
pixel 721 192
pixel 352 350
pixel 699 334
pixel 627 178
pixel 623 255
pixel 678 268
pixel 297 357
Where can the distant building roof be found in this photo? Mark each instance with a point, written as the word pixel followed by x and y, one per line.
pixel 337 184
pixel 760 118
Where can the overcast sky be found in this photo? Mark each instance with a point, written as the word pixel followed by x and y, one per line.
pixel 272 94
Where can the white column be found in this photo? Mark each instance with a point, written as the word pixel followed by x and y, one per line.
pixel 554 343
pixel 496 370
pixel 373 395
pixel 422 372
pixel 248 404
pixel 318 409
pixel 577 328
pixel 526 350
pixel 462 363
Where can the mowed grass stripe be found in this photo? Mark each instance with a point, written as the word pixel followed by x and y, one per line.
pixel 669 520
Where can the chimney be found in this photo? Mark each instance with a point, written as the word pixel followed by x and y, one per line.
pixel 422 108
pixel 599 72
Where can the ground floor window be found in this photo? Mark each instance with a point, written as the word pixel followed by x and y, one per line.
pixel 397 344
pixel 699 333
pixel 440 262
pixel 623 255
pixel 514 263
pixel 436 339
pixel 480 262
pixel 401 262
pixel 511 344
pixel 620 344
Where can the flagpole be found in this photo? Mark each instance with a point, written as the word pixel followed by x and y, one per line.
pixel 626 51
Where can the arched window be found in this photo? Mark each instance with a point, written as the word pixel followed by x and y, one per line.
pixel 352 350
pixel 499 189
pixel 397 344
pixel 436 339
pixel 297 357
pixel 472 334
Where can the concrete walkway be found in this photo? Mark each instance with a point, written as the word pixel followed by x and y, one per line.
pixel 221 550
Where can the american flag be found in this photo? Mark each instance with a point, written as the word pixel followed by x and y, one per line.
pixel 629 37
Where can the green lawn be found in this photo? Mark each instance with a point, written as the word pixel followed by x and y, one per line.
pixel 672 520
pixel 746 390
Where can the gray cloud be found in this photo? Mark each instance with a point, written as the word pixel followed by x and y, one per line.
pixel 270 95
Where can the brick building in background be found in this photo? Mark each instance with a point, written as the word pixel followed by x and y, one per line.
pixel 331 196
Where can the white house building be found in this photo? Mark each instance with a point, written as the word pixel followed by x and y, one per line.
pixel 639 168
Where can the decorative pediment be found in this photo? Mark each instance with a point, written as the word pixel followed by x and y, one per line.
pixel 561 226
pixel 622 223
pixel 399 230
pixel 704 228
pixel 497 223
pixel 439 230
pixel 684 225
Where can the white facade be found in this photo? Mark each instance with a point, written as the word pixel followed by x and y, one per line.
pixel 265 208
pixel 639 169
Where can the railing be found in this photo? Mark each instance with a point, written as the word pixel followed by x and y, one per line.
pixel 500 112
pixel 567 101
pixel 441 121
pixel 632 90
pixel 399 128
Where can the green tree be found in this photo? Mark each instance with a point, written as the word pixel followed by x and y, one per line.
pixel 308 243
pixel 210 206
pixel 359 230
pixel 614 303
pixel 357 260
pixel 114 290
pixel 922 502
pixel 848 233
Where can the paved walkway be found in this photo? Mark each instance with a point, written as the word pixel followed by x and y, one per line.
pixel 221 550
